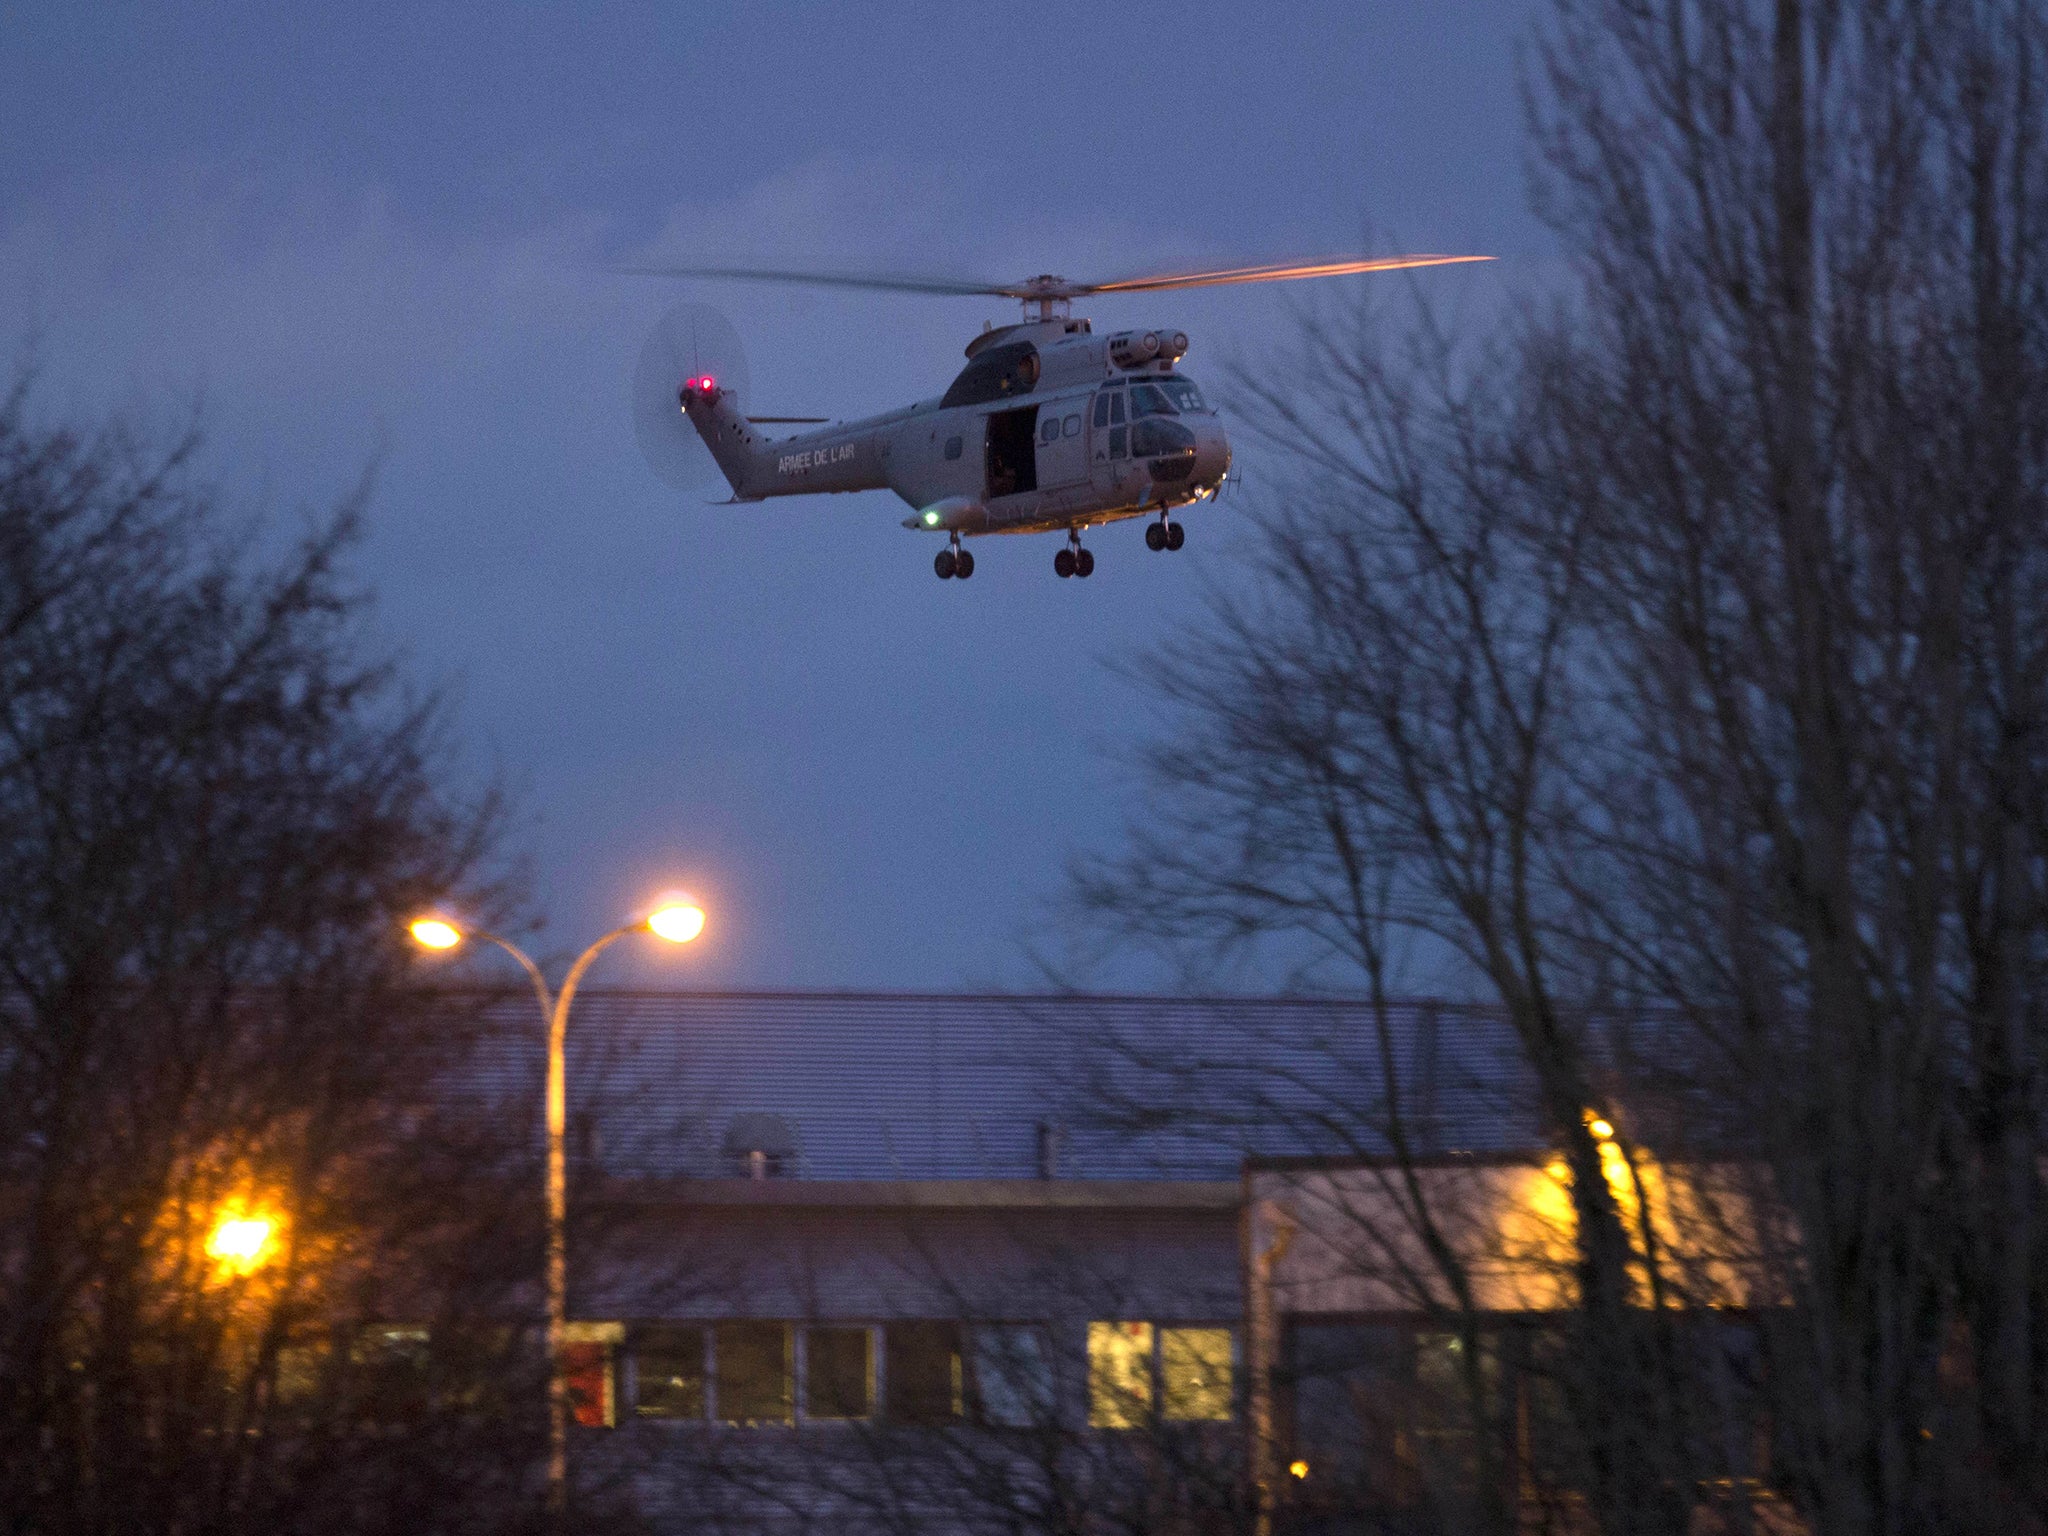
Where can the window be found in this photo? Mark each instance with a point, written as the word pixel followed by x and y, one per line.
pixel 668 1369
pixel 752 1372
pixel 1119 1375
pixel 1188 1374
pixel 1012 1368
pixel 1156 436
pixel 923 1372
pixel 1116 407
pixel 588 1351
pixel 1050 431
pixel 1102 409
pixel 1350 1399
pixel 1072 425
pixel 1448 1421
pixel 1116 441
pixel 999 373
pixel 1195 1374
pixel 389 1363
pixel 301 1372
pixel 952 447
pixel 839 1373
pixel 1182 393
pixel 1149 400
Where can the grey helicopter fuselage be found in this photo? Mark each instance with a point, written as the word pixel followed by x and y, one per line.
pixel 1048 427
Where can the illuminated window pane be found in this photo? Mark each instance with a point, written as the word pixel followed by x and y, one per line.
pixel 753 1373
pixel 923 1373
pixel 1119 1375
pixel 588 1367
pixel 1012 1374
pixel 1195 1380
pixel 838 1373
pixel 668 1369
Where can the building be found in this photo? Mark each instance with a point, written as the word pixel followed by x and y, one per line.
pixel 949 1262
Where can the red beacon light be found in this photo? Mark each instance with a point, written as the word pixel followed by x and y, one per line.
pixel 706 385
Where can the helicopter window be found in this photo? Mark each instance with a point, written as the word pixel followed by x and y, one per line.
pixel 1116 407
pixel 1149 400
pixel 1072 426
pixel 952 447
pixel 1183 393
pixel 1050 430
pixel 996 374
pixel 1116 441
pixel 1102 409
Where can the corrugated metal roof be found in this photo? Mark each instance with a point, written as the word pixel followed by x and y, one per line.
pixel 889 1086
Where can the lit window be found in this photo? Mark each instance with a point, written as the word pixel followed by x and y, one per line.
pixel 839 1373
pixel 588 1351
pixel 752 1369
pixel 1195 1379
pixel 1012 1374
pixel 922 1372
pixel 1119 1375
pixel 668 1371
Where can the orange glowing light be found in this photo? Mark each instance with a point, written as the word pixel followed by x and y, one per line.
pixel 677 921
pixel 435 933
pixel 241 1240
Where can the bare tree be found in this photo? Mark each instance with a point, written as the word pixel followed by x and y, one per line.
pixel 221 1195
pixel 1681 651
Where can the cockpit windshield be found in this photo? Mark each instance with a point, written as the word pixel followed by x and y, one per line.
pixel 1149 400
pixel 1168 395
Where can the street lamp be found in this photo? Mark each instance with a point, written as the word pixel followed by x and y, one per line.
pixel 676 921
pixel 240 1241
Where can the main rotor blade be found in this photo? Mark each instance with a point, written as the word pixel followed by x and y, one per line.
pixel 1276 272
pixel 882 280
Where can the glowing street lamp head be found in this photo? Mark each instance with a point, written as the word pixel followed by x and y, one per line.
pixel 677 921
pixel 240 1241
pixel 435 933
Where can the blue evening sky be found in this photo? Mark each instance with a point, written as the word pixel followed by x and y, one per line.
pixel 381 233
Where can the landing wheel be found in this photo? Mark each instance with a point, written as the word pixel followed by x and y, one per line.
pixel 945 564
pixel 1175 535
pixel 963 565
pixel 1084 563
pixel 1155 536
pixel 1063 563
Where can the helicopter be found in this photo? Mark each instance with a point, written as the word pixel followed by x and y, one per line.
pixel 1050 427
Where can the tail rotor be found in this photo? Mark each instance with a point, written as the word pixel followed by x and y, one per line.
pixel 691 342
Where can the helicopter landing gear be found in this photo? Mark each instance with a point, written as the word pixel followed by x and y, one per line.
pixel 953 561
pixel 1073 560
pixel 1165 535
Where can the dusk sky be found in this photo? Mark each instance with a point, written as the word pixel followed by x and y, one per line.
pixel 383 234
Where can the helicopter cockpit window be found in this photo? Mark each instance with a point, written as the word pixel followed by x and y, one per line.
pixel 997 374
pixel 1149 400
pixel 1183 394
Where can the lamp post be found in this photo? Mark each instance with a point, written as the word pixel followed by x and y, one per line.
pixel 678 923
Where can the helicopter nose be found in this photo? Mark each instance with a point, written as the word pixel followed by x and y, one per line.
pixel 1212 454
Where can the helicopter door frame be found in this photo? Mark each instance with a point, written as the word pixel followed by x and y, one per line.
pixel 1011 453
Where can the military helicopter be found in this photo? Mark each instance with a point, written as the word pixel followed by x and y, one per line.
pixel 1048 428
